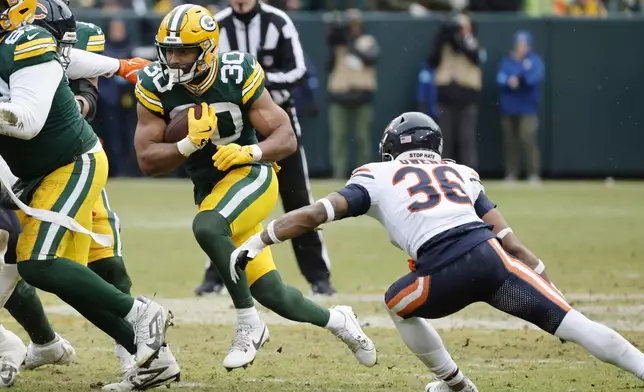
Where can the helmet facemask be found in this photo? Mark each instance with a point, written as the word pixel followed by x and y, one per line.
pixel 182 73
pixel 64 47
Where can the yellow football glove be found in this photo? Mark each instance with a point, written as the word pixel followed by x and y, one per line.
pixel 200 130
pixel 232 154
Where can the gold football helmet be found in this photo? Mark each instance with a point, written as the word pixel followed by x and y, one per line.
pixel 15 13
pixel 187 27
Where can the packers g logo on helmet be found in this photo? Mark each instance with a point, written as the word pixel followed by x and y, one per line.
pixel 15 13
pixel 208 23
pixel 188 26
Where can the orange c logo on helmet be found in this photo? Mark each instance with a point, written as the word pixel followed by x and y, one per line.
pixel 41 12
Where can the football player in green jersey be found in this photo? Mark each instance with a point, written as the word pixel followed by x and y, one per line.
pixel 62 169
pixel 235 186
pixel 47 347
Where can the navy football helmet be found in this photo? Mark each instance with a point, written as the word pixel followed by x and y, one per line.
pixel 411 131
pixel 56 17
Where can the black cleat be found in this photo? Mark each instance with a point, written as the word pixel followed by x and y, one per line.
pixel 211 284
pixel 322 287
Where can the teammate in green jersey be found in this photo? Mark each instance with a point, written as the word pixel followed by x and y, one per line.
pixel 235 186
pixel 46 347
pixel 62 169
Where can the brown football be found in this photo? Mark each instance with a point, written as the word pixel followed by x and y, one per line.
pixel 177 128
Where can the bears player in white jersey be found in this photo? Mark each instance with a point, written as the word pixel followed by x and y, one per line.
pixel 462 250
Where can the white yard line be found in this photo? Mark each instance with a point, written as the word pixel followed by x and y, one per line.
pixel 217 311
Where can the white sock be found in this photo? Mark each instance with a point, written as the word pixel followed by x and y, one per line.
pixel 336 320
pixel 248 316
pixel 133 314
pixel 426 344
pixel 602 342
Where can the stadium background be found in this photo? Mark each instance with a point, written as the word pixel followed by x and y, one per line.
pixel 590 118
pixel 589 233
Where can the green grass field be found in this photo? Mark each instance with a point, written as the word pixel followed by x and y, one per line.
pixel 588 234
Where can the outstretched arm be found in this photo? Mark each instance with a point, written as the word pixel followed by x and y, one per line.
pixel 305 219
pixel 352 200
pixel 512 244
pixel 487 211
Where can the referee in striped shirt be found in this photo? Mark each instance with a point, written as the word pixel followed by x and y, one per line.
pixel 269 34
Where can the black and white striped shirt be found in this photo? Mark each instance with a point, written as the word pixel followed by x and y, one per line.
pixel 272 38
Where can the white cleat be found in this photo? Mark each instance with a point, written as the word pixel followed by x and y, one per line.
pixel 245 345
pixel 441 386
pixel 162 371
pixel 355 338
pixel 57 352
pixel 150 325
pixel 12 354
pixel 127 360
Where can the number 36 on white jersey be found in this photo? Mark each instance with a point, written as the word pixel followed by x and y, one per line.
pixel 417 199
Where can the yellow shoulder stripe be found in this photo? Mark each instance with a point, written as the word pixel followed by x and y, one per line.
pixel 250 79
pixel 35 52
pixel 36 42
pixel 249 92
pixel 95 48
pixel 148 93
pixel 97 38
pixel 151 104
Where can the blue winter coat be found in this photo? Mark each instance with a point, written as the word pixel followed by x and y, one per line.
pixel 525 99
pixel 426 92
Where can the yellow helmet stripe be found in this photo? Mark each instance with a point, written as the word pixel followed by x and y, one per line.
pixel 176 18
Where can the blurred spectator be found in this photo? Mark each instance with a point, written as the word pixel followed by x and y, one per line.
pixel 426 93
pixel 581 8
pixel 286 5
pixel 456 59
pixel 496 5
pixel 519 78
pixel 409 5
pixel 306 94
pixel 116 108
pixel 351 85
pixel 630 5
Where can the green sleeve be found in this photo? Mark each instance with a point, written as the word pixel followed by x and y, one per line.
pixel 147 88
pixel 90 37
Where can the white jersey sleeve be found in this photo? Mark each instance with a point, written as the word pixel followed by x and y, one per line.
pixel 86 65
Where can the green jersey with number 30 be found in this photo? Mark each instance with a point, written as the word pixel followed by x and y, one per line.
pixel 65 134
pixel 231 87
pixel 89 37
